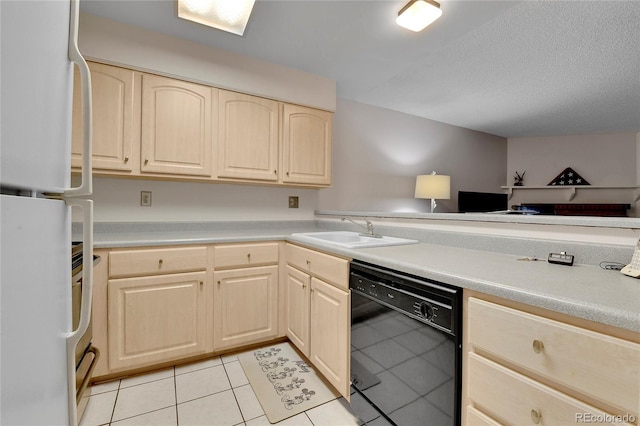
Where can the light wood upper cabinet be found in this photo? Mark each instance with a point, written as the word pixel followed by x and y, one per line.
pixel 176 133
pixel 113 92
pixel 247 137
pixel 306 141
pixel 147 125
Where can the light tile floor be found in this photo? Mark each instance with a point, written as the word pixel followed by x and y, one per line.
pixel 212 392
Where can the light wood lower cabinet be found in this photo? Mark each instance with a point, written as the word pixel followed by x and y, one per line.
pixel 524 364
pixel 245 306
pixel 330 333
pixel 319 313
pixel 153 306
pixel 156 319
pixel 298 293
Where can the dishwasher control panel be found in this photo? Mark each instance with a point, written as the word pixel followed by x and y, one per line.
pixel 422 300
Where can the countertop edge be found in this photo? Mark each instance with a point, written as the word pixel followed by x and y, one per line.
pixel 603 314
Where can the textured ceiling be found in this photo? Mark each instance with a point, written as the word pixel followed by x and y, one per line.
pixel 508 68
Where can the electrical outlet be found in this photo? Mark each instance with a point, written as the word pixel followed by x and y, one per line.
pixel 145 198
pixel 293 202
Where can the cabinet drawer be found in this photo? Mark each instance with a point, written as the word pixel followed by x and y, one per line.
pixel 242 255
pixel 330 268
pixel 476 418
pixel 128 263
pixel 601 367
pixel 512 398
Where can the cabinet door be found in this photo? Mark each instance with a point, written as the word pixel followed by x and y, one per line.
pixel 247 137
pixel 298 289
pixel 306 138
pixel 156 319
pixel 245 306
pixel 176 126
pixel 330 334
pixel 112 91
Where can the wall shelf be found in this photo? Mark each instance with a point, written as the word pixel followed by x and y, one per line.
pixel 573 189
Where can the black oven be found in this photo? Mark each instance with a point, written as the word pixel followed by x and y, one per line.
pixel 86 355
pixel 406 346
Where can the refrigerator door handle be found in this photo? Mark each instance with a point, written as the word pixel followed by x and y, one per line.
pixel 85 307
pixel 86 185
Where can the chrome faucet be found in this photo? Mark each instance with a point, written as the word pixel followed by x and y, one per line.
pixel 368 227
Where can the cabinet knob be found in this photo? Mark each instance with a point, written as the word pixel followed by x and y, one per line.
pixel 146 161
pixel 308 263
pixel 538 346
pixel 201 284
pixel 287 173
pixel 275 172
pixel 249 257
pixel 536 416
pixel 160 262
pixel 126 159
pixel 219 283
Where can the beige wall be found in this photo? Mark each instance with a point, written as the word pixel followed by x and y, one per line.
pixel 602 159
pixel 118 200
pixel 378 153
pixel 115 43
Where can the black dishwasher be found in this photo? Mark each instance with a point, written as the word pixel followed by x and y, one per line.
pixel 405 346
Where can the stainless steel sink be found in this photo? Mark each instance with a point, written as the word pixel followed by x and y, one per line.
pixel 350 239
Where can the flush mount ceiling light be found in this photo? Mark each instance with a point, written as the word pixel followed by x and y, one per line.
pixel 227 15
pixel 417 14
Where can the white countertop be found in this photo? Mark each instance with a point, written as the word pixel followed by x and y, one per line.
pixel 583 291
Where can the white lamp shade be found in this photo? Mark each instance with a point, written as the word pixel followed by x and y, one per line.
pixel 227 15
pixel 433 186
pixel 418 14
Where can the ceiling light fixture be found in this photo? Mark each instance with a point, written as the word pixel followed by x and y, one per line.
pixel 417 14
pixel 227 15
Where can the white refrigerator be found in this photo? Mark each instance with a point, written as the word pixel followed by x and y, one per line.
pixel 37 363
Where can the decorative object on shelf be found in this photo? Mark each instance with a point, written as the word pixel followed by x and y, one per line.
pixel 568 177
pixel 518 179
pixel 433 186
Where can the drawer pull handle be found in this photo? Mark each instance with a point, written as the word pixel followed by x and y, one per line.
pixel 536 416
pixel 538 346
